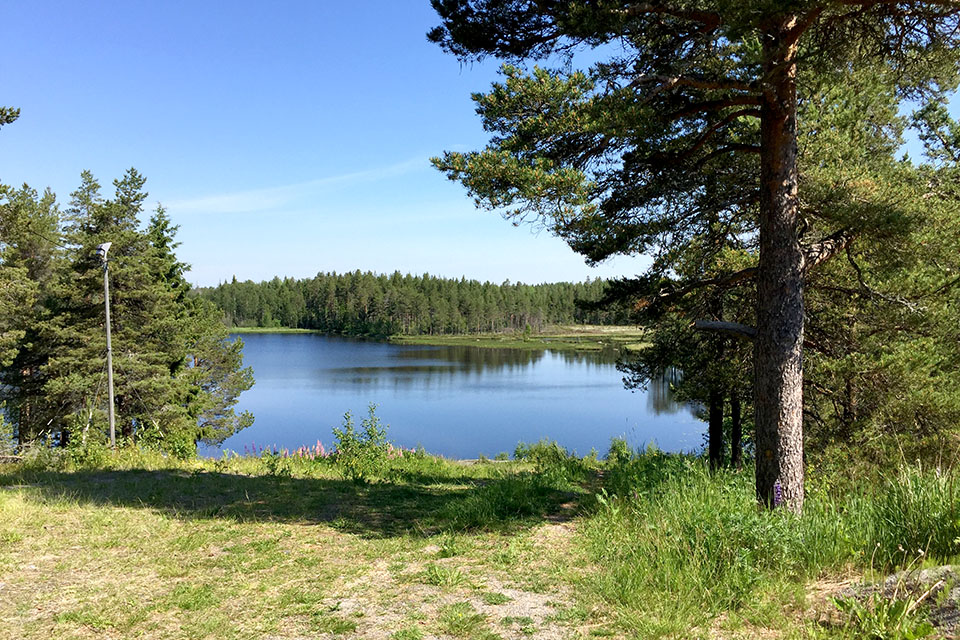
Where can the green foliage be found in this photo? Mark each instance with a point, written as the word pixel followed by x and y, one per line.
pixel 495 598
pixel 176 374
pixel 365 303
pixel 450 545
pixel 8 115
pixel 619 452
pixel 667 530
pixel 552 463
pixel 333 624
pixel 88 454
pixel 278 464
pixel 461 620
pixel 916 512
pixel 506 501
pixel 882 618
pixel 443 576
pixel 361 455
pixel 510 498
pixel 408 633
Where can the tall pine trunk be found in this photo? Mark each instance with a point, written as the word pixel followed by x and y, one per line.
pixel 778 361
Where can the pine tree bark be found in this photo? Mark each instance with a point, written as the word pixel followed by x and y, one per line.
pixel 778 358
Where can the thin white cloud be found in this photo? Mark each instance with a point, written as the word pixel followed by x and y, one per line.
pixel 273 198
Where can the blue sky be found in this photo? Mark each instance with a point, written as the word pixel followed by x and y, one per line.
pixel 284 138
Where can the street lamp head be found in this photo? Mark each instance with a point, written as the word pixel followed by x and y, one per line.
pixel 102 250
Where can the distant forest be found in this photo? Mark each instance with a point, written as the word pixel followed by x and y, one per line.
pixel 365 303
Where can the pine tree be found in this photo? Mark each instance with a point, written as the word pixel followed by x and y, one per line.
pixel 691 94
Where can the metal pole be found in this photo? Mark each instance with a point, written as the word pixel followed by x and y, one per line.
pixel 106 302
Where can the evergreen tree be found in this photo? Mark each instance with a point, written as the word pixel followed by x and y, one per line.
pixel 651 147
pixel 177 374
pixel 29 241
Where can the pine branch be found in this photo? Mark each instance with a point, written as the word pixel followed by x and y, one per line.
pixel 733 328
pixel 667 295
pixel 713 105
pixel 709 19
pixel 669 82
pixel 730 148
pixel 703 139
pixel 819 252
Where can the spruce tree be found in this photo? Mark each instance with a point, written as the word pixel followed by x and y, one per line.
pixel 177 376
pixel 29 261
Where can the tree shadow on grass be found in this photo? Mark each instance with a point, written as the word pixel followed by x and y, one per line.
pixel 417 505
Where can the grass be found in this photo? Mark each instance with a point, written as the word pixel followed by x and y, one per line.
pixel 142 546
pixel 270 330
pixel 137 545
pixel 461 620
pixel 558 338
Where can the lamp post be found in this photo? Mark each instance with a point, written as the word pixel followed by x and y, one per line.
pixel 102 252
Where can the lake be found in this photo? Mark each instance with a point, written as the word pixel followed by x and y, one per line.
pixel 454 401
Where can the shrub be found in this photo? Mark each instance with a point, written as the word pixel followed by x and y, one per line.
pixel 91 454
pixel 619 451
pixel 361 454
pixel 551 461
pixel 8 444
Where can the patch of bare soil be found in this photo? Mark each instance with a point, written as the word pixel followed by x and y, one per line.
pixel 380 604
pixel 382 601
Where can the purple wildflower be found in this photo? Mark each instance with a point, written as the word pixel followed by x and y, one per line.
pixel 777 494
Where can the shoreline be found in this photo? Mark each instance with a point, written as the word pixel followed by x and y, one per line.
pixel 561 338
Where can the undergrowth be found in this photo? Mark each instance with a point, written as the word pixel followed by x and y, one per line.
pixel 674 546
pixel 680 545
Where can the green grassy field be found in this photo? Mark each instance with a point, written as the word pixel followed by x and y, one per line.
pixel 269 330
pixel 136 545
pixel 558 338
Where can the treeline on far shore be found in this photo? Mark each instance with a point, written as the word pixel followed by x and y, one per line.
pixel 365 303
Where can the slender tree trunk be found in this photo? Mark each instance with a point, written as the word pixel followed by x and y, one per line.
pixel 778 362
pixel 715 398
pixel 23 426
pixel 736 431
pixel 715 430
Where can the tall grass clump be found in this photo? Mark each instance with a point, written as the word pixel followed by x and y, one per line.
pixel 915 512
pixel 679 544
pixel 506 499
pixel 552 463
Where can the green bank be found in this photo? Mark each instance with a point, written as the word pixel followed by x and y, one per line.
pixel 386 543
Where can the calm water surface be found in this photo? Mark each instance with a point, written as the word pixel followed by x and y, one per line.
pixel 455 401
